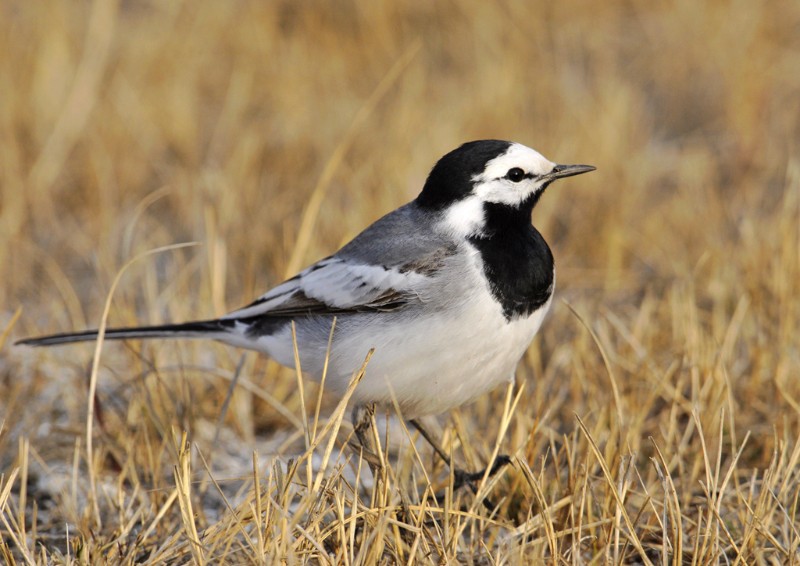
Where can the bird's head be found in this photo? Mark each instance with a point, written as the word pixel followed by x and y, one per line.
pixel 490 175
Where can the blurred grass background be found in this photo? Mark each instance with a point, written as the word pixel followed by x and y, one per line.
pixel 272 132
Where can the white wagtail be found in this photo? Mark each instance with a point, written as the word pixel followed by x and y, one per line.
pixel 448 290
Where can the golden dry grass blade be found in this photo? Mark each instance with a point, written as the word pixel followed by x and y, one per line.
pixel 6 484
pixel 9 326
pixel 609 372
pixel 90 404
pixel 673 508
pixel 173 496
pixel 183 484
pixel 545 516
pixel 631 532
pixel 232 512
pixel 331 428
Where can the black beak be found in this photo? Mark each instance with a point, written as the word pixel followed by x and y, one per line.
pixel 568 171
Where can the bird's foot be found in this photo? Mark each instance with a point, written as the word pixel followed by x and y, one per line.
pixel 462 478
pixel 471 479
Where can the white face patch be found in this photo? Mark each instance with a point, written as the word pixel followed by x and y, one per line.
pixel 493 186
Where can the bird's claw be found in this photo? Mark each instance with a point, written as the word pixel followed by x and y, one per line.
pixel 462 478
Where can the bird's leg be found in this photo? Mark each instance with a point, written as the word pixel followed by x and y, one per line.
pixel 362 426
pixel 460 477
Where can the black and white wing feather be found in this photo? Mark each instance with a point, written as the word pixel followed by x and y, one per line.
pixel 336 286
pixel 386 267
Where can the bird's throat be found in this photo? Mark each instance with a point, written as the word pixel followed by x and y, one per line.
pixel 516 260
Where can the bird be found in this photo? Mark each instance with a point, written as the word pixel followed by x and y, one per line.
pixel 448 291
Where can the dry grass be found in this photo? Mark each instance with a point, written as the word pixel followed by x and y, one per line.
pixel 656 417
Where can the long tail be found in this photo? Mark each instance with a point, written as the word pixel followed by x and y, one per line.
pixel 198 329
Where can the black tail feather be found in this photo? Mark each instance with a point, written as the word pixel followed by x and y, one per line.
pixel 196 329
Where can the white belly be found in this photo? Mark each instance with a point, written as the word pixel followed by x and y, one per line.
pixel 431 370
pixel 447 351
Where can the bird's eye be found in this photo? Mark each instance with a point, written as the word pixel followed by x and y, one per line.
pixel 515 175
